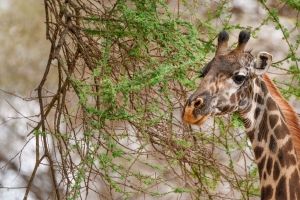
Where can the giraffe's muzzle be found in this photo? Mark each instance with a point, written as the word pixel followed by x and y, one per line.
pixel 191 113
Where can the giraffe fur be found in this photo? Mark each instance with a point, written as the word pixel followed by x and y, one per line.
pixel 234 80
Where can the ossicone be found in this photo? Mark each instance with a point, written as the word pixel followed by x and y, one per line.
pixel 244 37
pixel 222 42
pixel 223 36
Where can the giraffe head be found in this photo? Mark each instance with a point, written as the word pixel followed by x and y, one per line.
pixel 227 81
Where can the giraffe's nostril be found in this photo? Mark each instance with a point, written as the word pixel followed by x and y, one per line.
pixel 198 102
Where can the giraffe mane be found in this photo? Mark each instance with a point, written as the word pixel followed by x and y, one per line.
pixel 290 115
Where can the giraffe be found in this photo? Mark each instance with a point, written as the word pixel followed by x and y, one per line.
pixel 234 80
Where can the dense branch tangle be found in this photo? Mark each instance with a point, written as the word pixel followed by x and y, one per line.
pixel 111 128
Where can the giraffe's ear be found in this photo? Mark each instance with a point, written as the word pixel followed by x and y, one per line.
pixel 262 63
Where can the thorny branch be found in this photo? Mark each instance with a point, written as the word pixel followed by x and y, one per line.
pixel 108 130
pixel 124 147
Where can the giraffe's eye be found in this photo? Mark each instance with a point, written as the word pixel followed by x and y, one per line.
pixel 238 79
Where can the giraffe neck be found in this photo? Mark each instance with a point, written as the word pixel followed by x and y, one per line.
pixel 272 144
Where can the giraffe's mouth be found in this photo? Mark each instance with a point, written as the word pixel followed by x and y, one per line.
pixel 190 119
pixel 201 119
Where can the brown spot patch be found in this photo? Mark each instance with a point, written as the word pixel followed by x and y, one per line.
pixel 257 82
pixel 269 165
pixel 272 144
pixel 286 159
pixel 233 98
pixel 243 103
pixel 280 192
pixel 226 108
pixel 281 131
pixel 256 113
pixel 263 128
pixel 261 166
pixel 273 119
pixel 258 152
pixel 276 171
pixel 250 89
pixel 264 88
pixel 271 105
pixel 259 99
pixel 281 158
pixel 266 192
pixel 294 185
pixel 288 146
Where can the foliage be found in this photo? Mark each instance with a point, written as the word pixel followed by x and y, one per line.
pixel 112 129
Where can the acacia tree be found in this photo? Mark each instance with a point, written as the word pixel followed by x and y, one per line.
pixel 111 129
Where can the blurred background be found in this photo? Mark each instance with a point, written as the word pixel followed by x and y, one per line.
pixel 24 52
pixel 23 55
